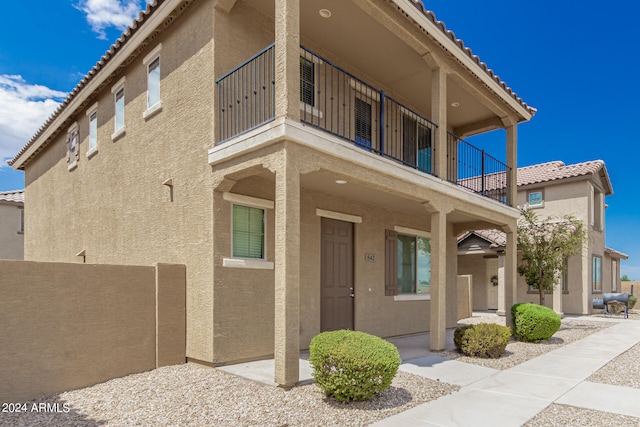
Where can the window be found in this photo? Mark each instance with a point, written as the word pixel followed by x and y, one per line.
pixel 614 275
pixel 21 230
pixel 598 210
pixel 536 199
pixel 72 147
pixel 118 120
pixel 407 263
pixel 564 279
pixel 152 62
pixel 248 232
pixel 414 265
pixel 307 82
pixel 362 123
pixel 416 144
pixel 92 113
pixel 596 273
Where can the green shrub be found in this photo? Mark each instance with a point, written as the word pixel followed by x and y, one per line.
pixel 632 301
pixel 350 365
pixel 483 340
pixel 534 323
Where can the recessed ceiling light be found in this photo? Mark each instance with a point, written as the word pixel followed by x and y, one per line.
pixel 455 104
pixel 340 181
pixel 325 13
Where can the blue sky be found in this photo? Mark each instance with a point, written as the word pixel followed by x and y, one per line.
pixel 577 62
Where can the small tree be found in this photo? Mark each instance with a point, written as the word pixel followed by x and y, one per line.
pixel 625 278
pixel 545 245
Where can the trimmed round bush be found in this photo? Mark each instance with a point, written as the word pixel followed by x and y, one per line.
pixel 632 301
pixel 486 340
pixel 533 322
pixel 351 365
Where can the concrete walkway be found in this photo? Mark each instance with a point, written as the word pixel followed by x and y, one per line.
pixel 511 397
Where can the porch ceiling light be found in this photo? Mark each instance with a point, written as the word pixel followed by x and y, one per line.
pixel 455 104
pixel 341 181
pixel 325 13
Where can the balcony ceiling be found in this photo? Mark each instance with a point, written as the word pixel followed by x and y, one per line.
pixel 355 40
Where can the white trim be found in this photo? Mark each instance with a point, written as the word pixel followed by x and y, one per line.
pixel 119 84
pixel 151 56
pixel 412 297
pixel 153 110
pixel 92 109
pixel 256 264
pixel 92 152
pixel 248 200
pixel 119 133
pixel 412 231
pixel 339 216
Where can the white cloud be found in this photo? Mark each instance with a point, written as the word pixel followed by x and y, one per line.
pixel 24 108
pixel 102 14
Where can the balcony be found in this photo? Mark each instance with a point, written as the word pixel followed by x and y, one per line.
pixel 340 103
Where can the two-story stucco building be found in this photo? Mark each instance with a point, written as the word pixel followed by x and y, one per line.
pixel 12 224
pixel 552 189
pixel 303 159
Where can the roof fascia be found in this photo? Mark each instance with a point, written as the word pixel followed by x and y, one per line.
pixel 410 9
pixel 148 27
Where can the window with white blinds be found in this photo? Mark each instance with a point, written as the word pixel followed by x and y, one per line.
pixel 248 232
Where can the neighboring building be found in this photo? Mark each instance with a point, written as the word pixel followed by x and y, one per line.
pixel 308 170
pixel 552 189
pixel 12 224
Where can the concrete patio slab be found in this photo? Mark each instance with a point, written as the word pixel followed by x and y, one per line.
pixel 263 371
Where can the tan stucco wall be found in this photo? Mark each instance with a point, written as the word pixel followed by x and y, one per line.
pixel 114 205
pixel 11 239
pixel 477 267
pixel 244 309
pixel 66 326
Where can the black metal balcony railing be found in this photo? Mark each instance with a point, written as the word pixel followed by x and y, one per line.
pixel 246 95
pixel 336 101
pixel 475 170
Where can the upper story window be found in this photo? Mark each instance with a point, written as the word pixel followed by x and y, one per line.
pixel 596 273
pixel 597 209
pixel 118 120
pixel 307 82
pixel 152 62
pixel 92 113
pixel 72 146
pixel 416 143
pixel 535 199
pixel 363 118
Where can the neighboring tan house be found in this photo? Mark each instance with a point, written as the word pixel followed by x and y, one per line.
pixel 12 224
pixel 551 189
pixel 303 159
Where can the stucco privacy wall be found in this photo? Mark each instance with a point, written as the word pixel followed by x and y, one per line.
pixel 66 326
pixel 113 205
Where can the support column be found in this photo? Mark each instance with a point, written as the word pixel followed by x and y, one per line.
pixel 510 273
pixel 287 273
pixel 557 299
pixel 287 58
pixel 512 162
pixel 438 312
pixel 439 117
pixel 501 285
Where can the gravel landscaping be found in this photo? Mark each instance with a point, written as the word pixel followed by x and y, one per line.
pixel 191 394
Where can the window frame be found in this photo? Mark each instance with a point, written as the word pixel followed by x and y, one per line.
pixel 21 229
pixel 116 89
pixel 149 60
pixel 596 259
pixel 255 203
pixel 415 296
pixel 538 205
pixel 615 275
pixel 92 115
pixel 73 155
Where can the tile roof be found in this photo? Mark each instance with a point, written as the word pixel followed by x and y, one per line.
pixel 16 196
pixel 451 35
pixel 551 171
pixel 615 254
pixel 497 238
pixel 153 6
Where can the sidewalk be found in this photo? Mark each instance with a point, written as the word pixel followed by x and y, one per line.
pixel 489 397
